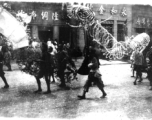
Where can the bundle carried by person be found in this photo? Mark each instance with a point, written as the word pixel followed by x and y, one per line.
pixel 29 59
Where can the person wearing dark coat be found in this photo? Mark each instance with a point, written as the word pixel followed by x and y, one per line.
pixel 1 70
pixel 61 63
pixel 94 76
pixel 45 68
pixel 149 71
pixel 84 69
pixel 7 60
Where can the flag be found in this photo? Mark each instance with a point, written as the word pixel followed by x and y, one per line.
pixel 12 29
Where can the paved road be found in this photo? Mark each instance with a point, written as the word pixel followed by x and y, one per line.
pixel 125 101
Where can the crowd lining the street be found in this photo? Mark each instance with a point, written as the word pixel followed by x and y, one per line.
pixel 56 58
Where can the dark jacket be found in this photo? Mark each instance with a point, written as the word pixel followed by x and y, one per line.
pixel 1 63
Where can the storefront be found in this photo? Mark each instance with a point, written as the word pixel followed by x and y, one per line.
pixel 115 19
pixel 142 19
pixel 48 20
pixel 112 17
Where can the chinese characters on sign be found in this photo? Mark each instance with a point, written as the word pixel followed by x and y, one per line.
pixel 34 15
pixel 124 12
pixel 55 16
pixel 145 22
pixel 44 15
pixel 113 11
pixel 101 10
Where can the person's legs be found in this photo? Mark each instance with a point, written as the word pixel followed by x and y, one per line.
pixel 5 81
pixel 61 76
pixel 52 74
pixel 47 83
pixel 86 87
pixel 137 73
pixel 39 85
pixel 150 80
pixel 136 78
pixel 2 75
pixel 133 71
pixel 100 85
pixel 140 73
pixel 9 66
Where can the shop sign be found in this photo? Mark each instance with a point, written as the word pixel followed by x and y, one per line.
pixel 41 16
pixel 143 22
pixel 113 11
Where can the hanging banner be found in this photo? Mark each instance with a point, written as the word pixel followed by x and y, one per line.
pixel 12 29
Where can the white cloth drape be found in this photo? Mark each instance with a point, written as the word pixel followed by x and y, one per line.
pixel 12 29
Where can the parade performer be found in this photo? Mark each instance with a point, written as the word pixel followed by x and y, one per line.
pixel 132 57
pixel 138 62
pixel 45 64
pixel 84 69
pixel 2 74
pixel 149 71
pixel 7 59
pixel 53 52
pixel 61 62
pixel 94 76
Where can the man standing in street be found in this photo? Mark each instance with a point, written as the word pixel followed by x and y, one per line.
pixel 1 70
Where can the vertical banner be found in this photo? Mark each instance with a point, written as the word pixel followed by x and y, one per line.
pixel 12 29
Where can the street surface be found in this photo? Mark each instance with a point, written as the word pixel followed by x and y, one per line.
pixel 124 100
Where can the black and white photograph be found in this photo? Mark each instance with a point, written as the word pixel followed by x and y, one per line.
pixel 76 60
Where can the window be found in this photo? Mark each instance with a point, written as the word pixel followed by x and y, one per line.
pixel 120 32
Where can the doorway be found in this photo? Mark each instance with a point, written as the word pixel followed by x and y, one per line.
pixel 45 33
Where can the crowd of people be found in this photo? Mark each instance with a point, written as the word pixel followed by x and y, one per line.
pixel 55 58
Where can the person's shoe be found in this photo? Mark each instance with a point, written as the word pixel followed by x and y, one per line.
pixel 9 70
pixel 134 83
pixel 81 97
pixel 150 88
pixel 47 92
pixel 62 85
pixel 104 95
pixel 140 80
pixel 38 91
pixel 6 86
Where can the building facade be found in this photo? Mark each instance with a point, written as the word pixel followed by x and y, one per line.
pixel 49 21
pixel 117 19
pixel 142 19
